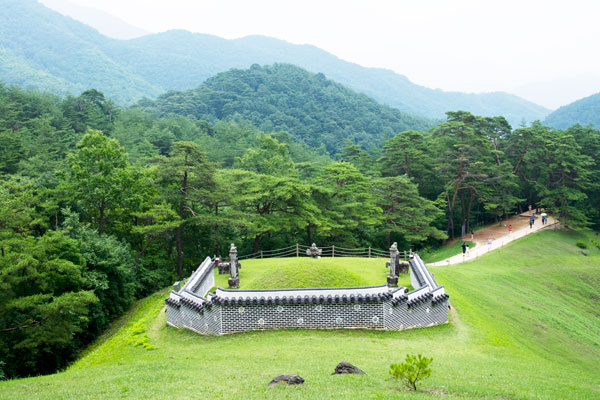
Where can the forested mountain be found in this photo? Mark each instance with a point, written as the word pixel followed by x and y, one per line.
pixel 283 97
pixel 44 49
pixel 584 112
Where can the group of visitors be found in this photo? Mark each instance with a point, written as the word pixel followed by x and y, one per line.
pixel 465 249
pixel 533 218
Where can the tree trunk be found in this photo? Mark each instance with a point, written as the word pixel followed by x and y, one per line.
pixel 256 242
pixel 179 251
pixel 137 259
pixel 217 249
pixel 469 210
pixel 101 221
pixel 462 214
pixel 518 166
pixel 178 242
pixel 451 211
pixel 308 234
pixel 496 148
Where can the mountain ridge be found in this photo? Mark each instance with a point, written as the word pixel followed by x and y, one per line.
pixel 585 111
pixel 127 70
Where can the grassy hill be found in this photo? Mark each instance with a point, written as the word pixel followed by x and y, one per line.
pixel 584 112
pixel 305 273
pixel 524 325
pixel 43 49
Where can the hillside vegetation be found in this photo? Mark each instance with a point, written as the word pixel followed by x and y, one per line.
pixel 523 325
pixel 43 49
pixel 313 109
pixel 584 112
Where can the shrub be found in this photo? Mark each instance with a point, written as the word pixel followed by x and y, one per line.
pixel 139 338
pixel 581 245
pixel 412 370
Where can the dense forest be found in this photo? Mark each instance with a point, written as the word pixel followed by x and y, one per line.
pixel 100 205
pixel 43 49
pixel 585 111
pixel 283 97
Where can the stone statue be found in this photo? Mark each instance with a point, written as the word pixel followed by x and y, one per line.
pixel 392 278
pixel 313 251
pixel 234 278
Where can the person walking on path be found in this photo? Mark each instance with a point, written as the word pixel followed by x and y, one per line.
pixel 509 229
pixel 489 243
pixel 464 248
pixel 544 218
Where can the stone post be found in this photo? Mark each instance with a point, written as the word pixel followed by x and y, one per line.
pixel 234 279
pixel 392 278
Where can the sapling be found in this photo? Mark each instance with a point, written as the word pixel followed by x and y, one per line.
pixel 412 370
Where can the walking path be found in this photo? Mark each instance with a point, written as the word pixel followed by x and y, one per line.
pixel 499 236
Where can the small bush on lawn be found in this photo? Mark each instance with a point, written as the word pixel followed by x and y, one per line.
pixel 581 245
pixel 412 370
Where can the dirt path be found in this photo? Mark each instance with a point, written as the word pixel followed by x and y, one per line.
pixel 499 236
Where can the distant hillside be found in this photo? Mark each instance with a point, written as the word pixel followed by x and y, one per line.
pixel 44 49
pixel 584 112
pixel 310 107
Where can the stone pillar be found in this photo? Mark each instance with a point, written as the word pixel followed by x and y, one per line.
pixel 234 278
pixel 392 278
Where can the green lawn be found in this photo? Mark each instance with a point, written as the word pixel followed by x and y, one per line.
pixel 304 272
pixel 525 325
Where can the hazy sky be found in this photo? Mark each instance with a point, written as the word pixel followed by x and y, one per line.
pixel 470 46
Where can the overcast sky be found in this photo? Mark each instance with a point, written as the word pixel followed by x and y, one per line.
pixel 466 45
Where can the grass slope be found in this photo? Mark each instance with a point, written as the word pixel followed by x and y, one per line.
pixel 524 326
